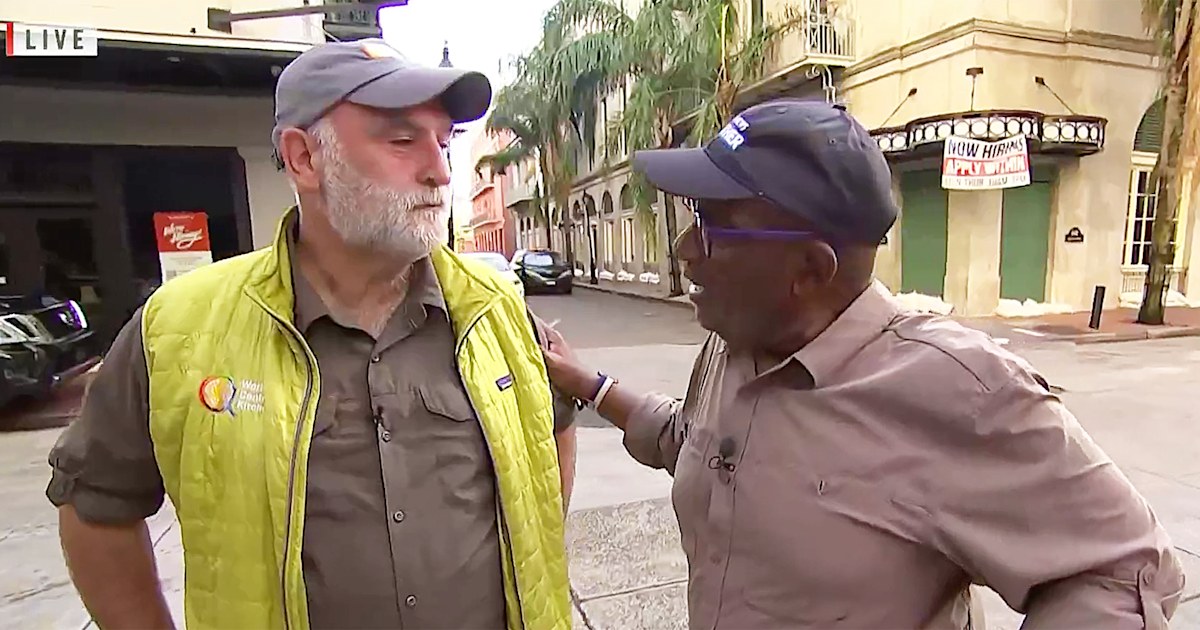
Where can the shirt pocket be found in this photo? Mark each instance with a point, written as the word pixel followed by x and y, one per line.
pixel 446 401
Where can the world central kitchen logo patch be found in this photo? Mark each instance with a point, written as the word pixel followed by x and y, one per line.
pixel 219 394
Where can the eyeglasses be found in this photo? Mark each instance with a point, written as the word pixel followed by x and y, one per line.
pixel 708 233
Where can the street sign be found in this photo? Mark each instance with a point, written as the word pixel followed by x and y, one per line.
pixel 46 40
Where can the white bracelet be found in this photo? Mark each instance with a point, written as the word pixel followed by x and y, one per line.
pixel 608 383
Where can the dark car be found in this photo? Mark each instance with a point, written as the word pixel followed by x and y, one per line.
pixel 45 343
pixel 21 366
pixel 544 270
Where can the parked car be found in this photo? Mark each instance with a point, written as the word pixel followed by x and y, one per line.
pixel 45 342
pixel 500 264
pixel 545 270
pixel 21 366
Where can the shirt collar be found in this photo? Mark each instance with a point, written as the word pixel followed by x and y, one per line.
pixel 861 323
pixel 424 288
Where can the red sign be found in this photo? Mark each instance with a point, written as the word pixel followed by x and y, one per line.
pixel 181 231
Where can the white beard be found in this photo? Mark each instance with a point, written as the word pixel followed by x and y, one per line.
pixel 374 217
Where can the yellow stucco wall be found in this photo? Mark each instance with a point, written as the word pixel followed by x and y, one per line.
pixel 1087 55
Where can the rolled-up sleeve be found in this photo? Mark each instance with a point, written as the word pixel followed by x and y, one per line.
pixel 103 463
pixel 1034 509
pixel 655 431
pixel 657 428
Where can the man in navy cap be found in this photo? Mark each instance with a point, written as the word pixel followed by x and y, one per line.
pixel 354 425
pixel 841 462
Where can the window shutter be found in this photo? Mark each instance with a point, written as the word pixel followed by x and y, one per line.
pixel 1150 130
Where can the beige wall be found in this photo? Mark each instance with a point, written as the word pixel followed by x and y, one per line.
pixel 881 25
pixel 184 18
pixel 1110 79
pixel 95 117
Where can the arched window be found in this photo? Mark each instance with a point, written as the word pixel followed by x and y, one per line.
pixel 1143 202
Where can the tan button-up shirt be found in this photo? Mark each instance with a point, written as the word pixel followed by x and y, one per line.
pixel 867 480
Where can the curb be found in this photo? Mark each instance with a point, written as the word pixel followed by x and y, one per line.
pixel 1166 332
pixel 636 296
pixel 1173 332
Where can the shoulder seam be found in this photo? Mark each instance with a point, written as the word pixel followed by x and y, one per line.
pixel 942 350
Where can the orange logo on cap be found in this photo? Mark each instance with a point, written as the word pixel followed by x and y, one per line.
pixel 379 51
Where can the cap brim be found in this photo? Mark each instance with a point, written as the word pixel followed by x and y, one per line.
pixel 688 173
pixel 465 94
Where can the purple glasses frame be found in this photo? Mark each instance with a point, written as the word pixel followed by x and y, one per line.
pixel 707 233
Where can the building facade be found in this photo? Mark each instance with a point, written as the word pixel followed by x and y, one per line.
pixel 172 114
pixel 628 246
pixel 1079 79
pixel 493 225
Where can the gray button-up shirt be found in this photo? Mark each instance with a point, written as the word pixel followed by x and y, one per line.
pixel 869 479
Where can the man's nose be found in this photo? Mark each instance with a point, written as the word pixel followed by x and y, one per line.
pixel 438 172
pixel 687 246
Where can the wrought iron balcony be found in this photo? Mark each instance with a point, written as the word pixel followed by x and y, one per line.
pixel 1072 135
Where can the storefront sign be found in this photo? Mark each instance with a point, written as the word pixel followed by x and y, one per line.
pixel 980 165
pixel 183 243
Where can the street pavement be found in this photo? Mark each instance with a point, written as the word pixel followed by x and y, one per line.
pixel 628 571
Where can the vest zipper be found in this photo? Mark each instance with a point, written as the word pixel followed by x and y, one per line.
pixel 308 388
pixel 287 533
pixel 501 522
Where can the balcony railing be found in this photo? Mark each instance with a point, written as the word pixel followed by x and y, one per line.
pixel 1133 278
pixel 829 34
pixel 516 191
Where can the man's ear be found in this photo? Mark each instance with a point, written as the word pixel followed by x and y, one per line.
pixel 301 160
pixel 820 265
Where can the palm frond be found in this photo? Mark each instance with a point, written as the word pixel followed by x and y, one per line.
pixel 1158 17
pixel 504 158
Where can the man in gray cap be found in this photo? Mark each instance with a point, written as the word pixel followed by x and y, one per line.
pixel 840 462
pixel 354 425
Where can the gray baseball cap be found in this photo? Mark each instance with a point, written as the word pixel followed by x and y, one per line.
pixel 372 73
pixel 810 158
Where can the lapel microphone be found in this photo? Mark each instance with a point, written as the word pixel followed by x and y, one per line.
pixel 722 460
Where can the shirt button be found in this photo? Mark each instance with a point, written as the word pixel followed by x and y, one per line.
pixel 410 601
pixel 398 516
pixel 387 436
pixel 375 358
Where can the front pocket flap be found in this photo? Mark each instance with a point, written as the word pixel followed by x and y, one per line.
pixel 448 400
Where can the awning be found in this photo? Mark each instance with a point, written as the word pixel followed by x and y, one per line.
pixel 148 61
pixel 1073 135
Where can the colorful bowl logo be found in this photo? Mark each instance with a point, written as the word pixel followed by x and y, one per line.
pixel 217 393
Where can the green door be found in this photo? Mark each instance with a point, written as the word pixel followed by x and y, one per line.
pixel 1025 242
pixel 923 233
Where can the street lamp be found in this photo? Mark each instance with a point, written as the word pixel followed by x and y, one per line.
pixel 454 133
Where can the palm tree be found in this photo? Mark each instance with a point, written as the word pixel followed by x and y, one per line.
pixel 550 108
pixel 691 60
pixel 1172 22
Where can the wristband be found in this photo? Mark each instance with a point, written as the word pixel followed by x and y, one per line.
pixel 599 398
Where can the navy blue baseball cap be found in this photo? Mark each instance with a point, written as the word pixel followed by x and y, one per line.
pixel 810 158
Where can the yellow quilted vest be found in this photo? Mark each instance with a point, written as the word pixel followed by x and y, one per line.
pixel 233 393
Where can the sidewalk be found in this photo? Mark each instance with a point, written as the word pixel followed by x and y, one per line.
pixel 1115 324
pixel 635 289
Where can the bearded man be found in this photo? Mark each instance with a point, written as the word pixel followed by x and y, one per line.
pixel 354 425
